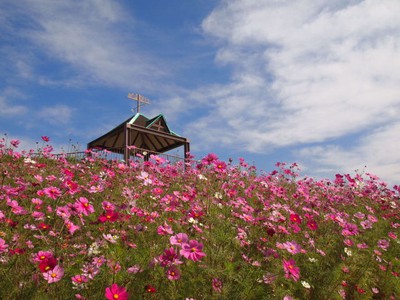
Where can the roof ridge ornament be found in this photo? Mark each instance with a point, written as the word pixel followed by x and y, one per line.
pixel 140 99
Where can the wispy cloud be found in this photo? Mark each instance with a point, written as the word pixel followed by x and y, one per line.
pixel 57 115
pixel 96 39
pixel 306 71
pixel 8 107
pixel 377 153
pixel 304 74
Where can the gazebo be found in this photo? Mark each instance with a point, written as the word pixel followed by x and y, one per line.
pixel 141 134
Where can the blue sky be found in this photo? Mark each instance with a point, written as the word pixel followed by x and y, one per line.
pixel 310 81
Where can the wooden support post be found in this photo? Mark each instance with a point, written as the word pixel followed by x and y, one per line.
pixel 187 153
pixel 126 144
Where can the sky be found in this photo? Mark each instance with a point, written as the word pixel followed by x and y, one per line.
pixel 314 82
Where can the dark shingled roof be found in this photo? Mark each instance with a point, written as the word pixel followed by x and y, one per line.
pixel 139 131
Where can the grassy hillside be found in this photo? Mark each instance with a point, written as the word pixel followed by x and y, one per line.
pixel 98 229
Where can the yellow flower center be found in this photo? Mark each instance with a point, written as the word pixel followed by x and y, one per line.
pixel 115 296
pixel 54 275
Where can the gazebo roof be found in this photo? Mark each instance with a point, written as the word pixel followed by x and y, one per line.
pixel 139 131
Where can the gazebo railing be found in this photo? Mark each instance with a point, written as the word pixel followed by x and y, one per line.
pixel 136 154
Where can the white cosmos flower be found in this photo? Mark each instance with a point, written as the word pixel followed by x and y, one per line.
pixel 306 284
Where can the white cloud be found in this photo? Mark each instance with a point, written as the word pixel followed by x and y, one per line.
pixel 323 70
pixel 95 37
pixel 305 72
pixel 377 153
pixel 59 114
pixel 7 108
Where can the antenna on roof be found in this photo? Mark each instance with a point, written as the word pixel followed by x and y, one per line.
pixel 140 99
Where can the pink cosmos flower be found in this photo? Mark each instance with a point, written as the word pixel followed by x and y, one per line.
pixel 292 247
pixel 348 242
pixel 54 275
pixel 115 266
pixel 42 256
pixel 79 279
pixel 83 206
pixel 366 224
pixel 38 215
pixel 179 239
pixel 99 261
pixel 71 227
pixel 383 244
pixel 108 216
pixel 217 285
pixel 134 269
pixel 209 159
pixel 173 273
pixel 116 292
pixel 52 192
pixel 291 270
pixel 193 250
pixel 269 278
pixel 157 191
pixel 312 225
pixel 169 257
pixel 95 189
pixel 359 215
pixel 14 143
pixel 219 166
pixel 63 212
pixel 350 229
pixel 362 246
pixel 107 205
pixel 3 246
pixel 90 270
pixel 164 229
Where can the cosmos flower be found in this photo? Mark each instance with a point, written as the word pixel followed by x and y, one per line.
pixel 3 246
pixel 291 270
pixel 54 275
pixel 173 273
pixel 114 292
pixel 192 250
pixel 179 239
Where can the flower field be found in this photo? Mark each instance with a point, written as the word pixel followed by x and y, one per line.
pixel 99 229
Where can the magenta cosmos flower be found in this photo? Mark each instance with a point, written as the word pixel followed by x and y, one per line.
pixel 169 257
pixel 193 250
pixel 116 292
pixel 291 270
pixel 173 273
pixel 295 218
pixel 83 206
pixel 54 275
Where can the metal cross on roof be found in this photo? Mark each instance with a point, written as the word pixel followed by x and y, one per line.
pixel 140 99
